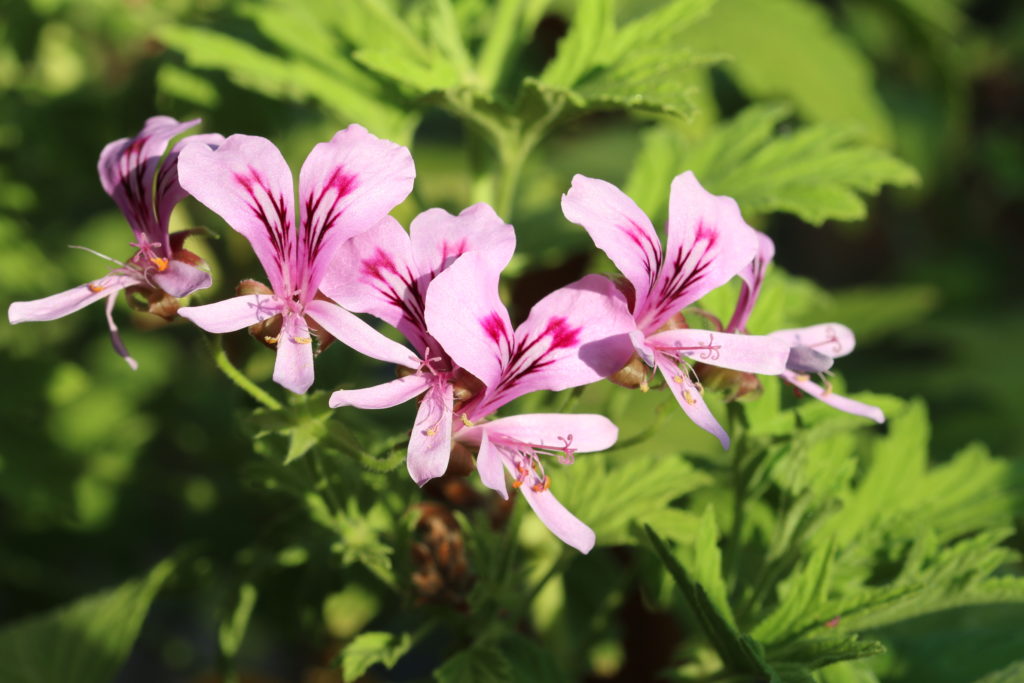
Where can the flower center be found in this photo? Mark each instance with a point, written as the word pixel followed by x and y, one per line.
pixel 526 460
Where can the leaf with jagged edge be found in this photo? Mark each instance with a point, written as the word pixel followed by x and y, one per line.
pixel 817 172
pixel 789 48
pixel 815 653
pixel 805 589
pixel 85 641
pixel 480 663
pixel 373 647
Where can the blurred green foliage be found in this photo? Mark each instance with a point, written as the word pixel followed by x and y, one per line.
pixel 295 529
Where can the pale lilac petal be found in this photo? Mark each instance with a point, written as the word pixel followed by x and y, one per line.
pixel 181 279
pixel 438 238
pixel 690 400
pixel 490 467
pixel 465 314
pixel 847 405
pixel 764 355
pixel 168 190
pixel 708 243
pixel 357 334
pixel 619 228
pixel 247 182
pixel 574 336
pixel 804 359
pixel 67 302
pixel 375 273
pixel 385 395
pixel 115 335
pixel 430 443
pixel 639 341
pixel 753 277
pixel 345 187
pixel 233 314
pixel 835 340
pixel 560 521
pixel 293 368
pixel 127 167
pixel 581 433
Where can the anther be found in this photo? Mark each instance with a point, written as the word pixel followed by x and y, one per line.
pixel 270 340
pixel 542 486
pixel 302 340
pixel 803 378
pixel 431 431
pixel 644 386
pixel 465 420
pixel 678 379
pixel 94 288
pixel 688 397
pixel 160 263
pixel 828 387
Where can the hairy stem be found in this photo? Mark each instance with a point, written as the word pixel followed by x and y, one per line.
pixel 224 364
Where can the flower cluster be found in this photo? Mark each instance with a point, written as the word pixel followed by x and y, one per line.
pixel 342 254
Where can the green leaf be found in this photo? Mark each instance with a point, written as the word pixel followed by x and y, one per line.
pixel 789 48
pixel 583 47
pixel 231 632
pixel 815 653
pixel 817 172
pixel 1011 674
pixel 806 589
pixel 373 647
pixel 481 663
pixel 706 565
pixel 84 642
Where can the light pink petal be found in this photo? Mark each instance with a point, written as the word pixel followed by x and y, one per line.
pixel 357 334
pixel 127 167
pixel 560 521
pixel 345 187
pixel 642 348
pixel 115 334
pixel 753 277
pixel 832 339
pixel 168 190
pixel 247 183
pixel 233 314
pixel 581 433
pixel 490 467
pixel 181 279
pixel 375 273
pixel 67 302
pixel 619 228
pixel 385 395
pixel 708 243
pixel 293 368
pixel 847 405
pixel 430 443
pixel 465 314
pixel 744 352
pixel 690 399
pixel 438 238
pixel 574 336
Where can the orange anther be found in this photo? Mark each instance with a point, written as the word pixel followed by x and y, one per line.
pixel 160 263
pixel 543 486
pixel 688 397
pixel 302 340
pixel 516 484
pixel 270 340
pixel 94 288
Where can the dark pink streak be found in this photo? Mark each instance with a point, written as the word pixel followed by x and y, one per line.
pixel 318 223
pixel 409 301
pixel 277 225
pixel 562 335
pixel 494 326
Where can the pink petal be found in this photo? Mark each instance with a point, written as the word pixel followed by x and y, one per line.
pixel 355 333
pixel 690 400
pixel 582 433
pixel 708 243
pixel 748 353
pixel 181 279
pixel 576 335
pixel 233 314
pixel 835 340
pixel 345 187
pixel 247 183
pixel 847 405
pixel 67 302
pixel 465 314
pixel 753 277
pixel 115 334
pixel 619 228
pixel 375 273
pixel 168 190
pixel 293 369
pixel 385 395
pixel 490 467
pixel 438 238
pixel 127 167
pixel 560 521
pixel 430 444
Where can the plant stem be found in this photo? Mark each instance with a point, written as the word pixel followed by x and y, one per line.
pixel 224 364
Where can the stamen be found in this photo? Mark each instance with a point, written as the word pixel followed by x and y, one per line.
pixel 543 485
pixel 688 397
pixel 827 387
pixel 431 431
pixel 678 379
pixel 302 340
pixel 803 378
pixel 270 340
pixel 644 386
pixel 95 288
pixel 466 421
pixel 160 263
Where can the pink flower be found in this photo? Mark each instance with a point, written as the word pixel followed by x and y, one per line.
pixel 146 191
pixel 346 186
pixel 386 272
pixel 708 243
pixel 811 349
pixel 575 335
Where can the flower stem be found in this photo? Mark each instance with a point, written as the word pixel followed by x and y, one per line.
pixel 224 364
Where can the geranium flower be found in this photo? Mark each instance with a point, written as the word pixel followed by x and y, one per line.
pixel 346 186
pixel 708 243
pixel 386 272
pixel 811 349
pixel 574 336
pixel 146 191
